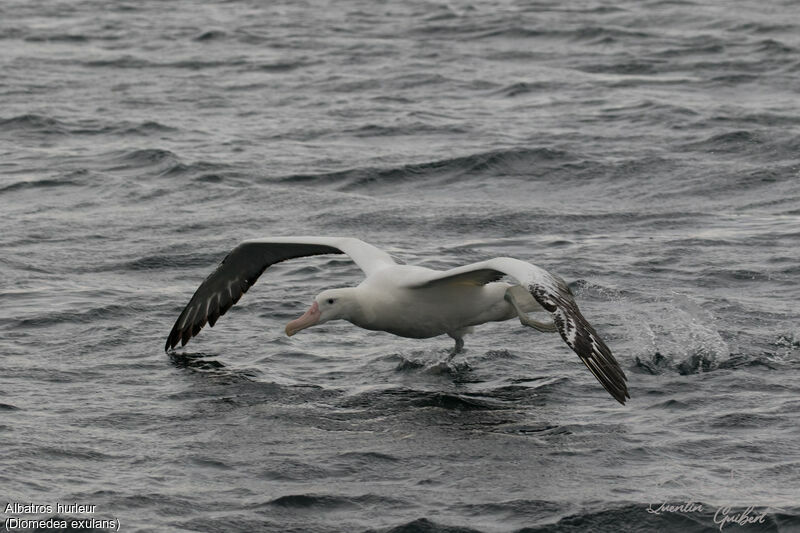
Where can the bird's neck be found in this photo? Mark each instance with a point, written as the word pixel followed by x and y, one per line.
pixel 351 307
pixel 357 307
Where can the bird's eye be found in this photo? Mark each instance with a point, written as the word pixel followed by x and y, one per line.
pixel 330 300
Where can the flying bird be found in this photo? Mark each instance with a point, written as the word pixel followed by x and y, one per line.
pixel 409 301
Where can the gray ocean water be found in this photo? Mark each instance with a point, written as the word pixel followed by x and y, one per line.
pixel 647 152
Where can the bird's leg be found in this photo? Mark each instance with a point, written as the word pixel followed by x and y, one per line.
pixel 458 347
pixel 545 327
pixel 458 336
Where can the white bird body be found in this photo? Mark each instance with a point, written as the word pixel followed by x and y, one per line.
pixel 421 313
pixel 408 301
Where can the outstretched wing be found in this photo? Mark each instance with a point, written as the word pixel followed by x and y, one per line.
pixel 244 264
pixel 553 294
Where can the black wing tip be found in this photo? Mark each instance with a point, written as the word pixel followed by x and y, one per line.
pixel 621 398
pixel 597 357
pixel 616 383
pixel 173 339
pixel 619 380
pixel 617 390
pixel 613 379
pixel 190 330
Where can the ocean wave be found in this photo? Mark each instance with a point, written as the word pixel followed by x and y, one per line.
pixel 630 67
pixel 704 46
pixel 155 160
pixel 46 125
pixel 744 420
pixel 742 361
pixel 773 46
pixel 239 62
pixel 757 28
pixel 730 142
pixel 424 525
pixel 211 35
pixel 46 183
pixel 517 511
pixel 413 128
pixel 515 162
pixel 400 399
pixel 166 261
pixel 591 34
pixel 521 87
pixel 279 66
pixel 90 315
pixel 673 405
pixel 167 164
pixel 370 458
pixel 734 79
pixel 328 502
pixel 606 34
pixel 133 62
pixel 148 127
pixel 147 156
pixel 207 171
pixel 33 122
pixel 58 37
pixel 513 31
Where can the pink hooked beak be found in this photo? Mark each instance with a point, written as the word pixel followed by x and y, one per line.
pixel 310 318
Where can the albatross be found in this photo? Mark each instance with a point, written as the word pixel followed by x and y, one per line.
pixel 409 301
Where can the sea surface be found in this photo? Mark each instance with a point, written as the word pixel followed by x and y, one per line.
pixel 646 151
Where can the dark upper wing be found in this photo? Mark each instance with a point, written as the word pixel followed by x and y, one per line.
pixel 244 264
pixel 553 294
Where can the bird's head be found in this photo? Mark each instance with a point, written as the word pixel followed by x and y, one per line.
pixel 332 304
